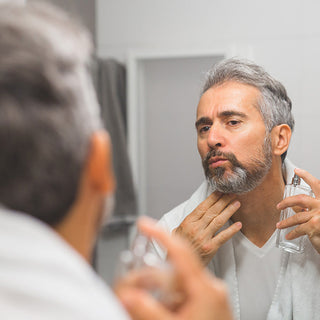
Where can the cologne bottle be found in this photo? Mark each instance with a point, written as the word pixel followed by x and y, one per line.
pixel 293 189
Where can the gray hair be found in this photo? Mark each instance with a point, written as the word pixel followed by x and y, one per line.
pixel 48 109
pixel 274 105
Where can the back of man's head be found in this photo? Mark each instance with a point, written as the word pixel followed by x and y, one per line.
pixel 48 109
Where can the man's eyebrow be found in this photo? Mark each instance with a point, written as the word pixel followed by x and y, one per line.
pixel 223 114
pixel 203 120
pixel 231 113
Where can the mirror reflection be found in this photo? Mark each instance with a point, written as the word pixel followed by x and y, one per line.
pixel 211 108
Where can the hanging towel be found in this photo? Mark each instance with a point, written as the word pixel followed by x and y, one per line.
pixel 110 81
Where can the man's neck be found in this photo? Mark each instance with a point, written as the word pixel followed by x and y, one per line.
pixel 258 212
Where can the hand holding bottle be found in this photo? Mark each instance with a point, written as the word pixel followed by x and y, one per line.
pixel 203 297
pixel 307 219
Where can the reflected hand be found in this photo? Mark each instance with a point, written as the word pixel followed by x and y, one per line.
pixel 202 224
pixel 202 297
pixel 308 219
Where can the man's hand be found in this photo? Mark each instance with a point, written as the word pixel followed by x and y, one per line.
pixel 201 225
pixel 308 219
pixel 202 297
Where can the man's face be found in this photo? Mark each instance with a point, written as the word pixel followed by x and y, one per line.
pixel 232 140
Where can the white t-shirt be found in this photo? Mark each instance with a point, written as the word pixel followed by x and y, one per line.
pixel 257 273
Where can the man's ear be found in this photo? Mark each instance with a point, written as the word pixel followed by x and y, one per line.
pixel 280 136
pixel 100 169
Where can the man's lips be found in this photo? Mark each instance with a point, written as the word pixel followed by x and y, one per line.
pixel 216 162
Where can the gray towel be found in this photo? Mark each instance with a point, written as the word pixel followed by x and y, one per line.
pixel 110 80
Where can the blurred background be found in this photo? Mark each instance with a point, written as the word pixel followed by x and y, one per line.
pixel 150 61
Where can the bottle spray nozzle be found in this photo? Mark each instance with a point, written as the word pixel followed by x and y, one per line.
pixel 296 180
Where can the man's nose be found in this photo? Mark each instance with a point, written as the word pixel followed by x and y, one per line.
pixel 216 137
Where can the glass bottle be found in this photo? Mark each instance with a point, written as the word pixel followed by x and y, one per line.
pixel 293 189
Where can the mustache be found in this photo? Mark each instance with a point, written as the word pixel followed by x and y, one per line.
pixel 226 155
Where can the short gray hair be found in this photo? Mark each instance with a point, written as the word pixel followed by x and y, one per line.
pixel 48 109
pixel 274 105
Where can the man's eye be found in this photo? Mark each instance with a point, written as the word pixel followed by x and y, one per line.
pixel 233 122
pixel 204 129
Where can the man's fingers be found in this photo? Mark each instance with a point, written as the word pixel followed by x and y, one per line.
pixel 295 233
pixel 312 181
pixel 142 306
pixel 223 217
pixel 310 228
pixel 301 200
pixel 223 236
pixel 216 209
pixel 298 218
pixel 203 207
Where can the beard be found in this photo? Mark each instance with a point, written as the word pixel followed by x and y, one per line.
pixel 243 178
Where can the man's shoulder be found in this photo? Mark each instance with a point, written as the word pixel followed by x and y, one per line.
pixel 40 268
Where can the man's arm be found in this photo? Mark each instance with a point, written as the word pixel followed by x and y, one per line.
pixel 202 297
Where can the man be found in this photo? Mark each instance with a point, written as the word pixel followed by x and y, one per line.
pixel 56 185
pixel 244 124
